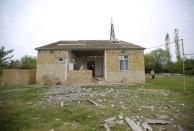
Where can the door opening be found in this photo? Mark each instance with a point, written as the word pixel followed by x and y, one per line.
pixel 91 66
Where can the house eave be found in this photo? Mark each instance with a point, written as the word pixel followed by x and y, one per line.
pixel 54 49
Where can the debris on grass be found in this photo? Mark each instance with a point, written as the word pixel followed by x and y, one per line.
pixel 156 121
pixel 125 108
pixel 107 128
pixel 146 126
pixel 109 91
pixel 150 107
pixel 57 119
pixel 180 128
pixel 52 129
pixel 120 117
pixel 111 121
pixel 122 99
pixel 170 114
pixel 162 117
pixel 133 125
pixel 62 104
pixel 93 102
pixel 181 104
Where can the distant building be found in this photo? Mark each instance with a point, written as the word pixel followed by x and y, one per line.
pixel 89 61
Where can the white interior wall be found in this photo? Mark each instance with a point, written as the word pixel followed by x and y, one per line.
pixel 98 65
pixel 79 62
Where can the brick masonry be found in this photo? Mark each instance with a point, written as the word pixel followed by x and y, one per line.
pixel 52 71
pixel 135 72
pixel 18 77
pixel 79 76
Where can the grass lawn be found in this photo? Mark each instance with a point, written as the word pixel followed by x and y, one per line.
pixel 173 83
pixel 21 108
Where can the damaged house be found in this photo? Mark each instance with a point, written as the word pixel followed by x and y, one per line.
pixel 88 61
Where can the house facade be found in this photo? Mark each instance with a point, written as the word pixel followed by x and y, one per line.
pixel 90 61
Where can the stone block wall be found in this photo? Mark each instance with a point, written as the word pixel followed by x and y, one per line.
pixel 79 76
pixel 51 70
pixel 51 67
pixel 135 72
pixel 18 77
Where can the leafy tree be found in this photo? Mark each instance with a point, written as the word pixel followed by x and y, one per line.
pixel 156 60
pixel 170 67
pixel 189 66
pixel 160 56
pixel 5 56
pixel 149 63
pixel 178 66
pixel 28 62
pixel 14 64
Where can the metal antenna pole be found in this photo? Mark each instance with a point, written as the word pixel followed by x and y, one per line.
pixel 112 32
pixel 177 46
pixel 183 64
pixel 167 46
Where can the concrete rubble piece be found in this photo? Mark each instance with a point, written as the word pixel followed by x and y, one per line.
pixel 153 121
pixel 93 102
pixel 146 126
pixel 133 125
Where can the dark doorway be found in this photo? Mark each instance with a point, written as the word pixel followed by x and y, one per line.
pixel 91 66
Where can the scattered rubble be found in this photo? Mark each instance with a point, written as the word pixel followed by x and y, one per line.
pixel 162 117
pixel 133 125
pixel 62 104
pixel 107 128
pixel 180 128
pixel 52 129
pixel 124 99
pixel 150 107
pixel 155 121
pixel 111 121
pixel 96 104
pixel 120 117
pixel 146 126
pixel 181 104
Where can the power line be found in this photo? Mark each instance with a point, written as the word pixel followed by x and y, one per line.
pixel 163 44
pixel 169 44
pixel 188 54
pixel 159 45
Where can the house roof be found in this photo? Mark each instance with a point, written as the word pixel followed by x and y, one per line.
pixel 90 45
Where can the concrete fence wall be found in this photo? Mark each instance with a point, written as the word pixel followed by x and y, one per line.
pixel 18 77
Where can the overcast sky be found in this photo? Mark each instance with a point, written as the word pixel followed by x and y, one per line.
pixel 27 24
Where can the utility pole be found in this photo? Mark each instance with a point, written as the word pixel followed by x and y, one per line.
pixel 167 47
pixel 177 46
pixel 183 64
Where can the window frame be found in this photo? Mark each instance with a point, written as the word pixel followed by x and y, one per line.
pixel 124 59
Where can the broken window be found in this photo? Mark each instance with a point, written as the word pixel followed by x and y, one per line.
pixel 60 58
pixel 123 62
